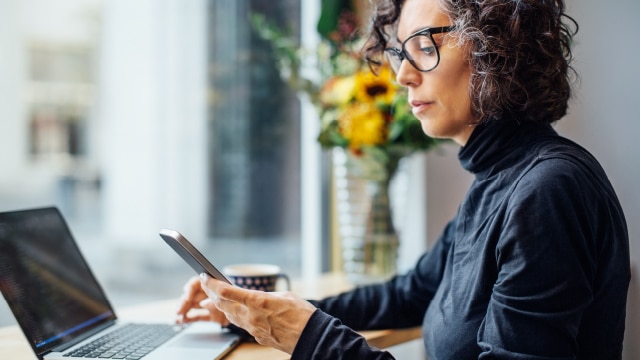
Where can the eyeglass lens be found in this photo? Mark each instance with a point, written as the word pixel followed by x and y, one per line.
pixel 419 50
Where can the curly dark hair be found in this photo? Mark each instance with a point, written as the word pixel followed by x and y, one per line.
pixel 519 52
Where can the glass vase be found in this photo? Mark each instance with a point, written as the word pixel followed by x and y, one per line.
pixel 368 239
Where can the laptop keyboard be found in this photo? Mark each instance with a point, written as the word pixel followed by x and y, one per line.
pixel 131 342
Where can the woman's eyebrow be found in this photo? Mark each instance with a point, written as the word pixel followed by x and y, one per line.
pixel 413 31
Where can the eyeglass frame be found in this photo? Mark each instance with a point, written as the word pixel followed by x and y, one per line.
pixel 402 53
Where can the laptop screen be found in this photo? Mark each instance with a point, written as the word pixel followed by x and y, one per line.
pixel 46 281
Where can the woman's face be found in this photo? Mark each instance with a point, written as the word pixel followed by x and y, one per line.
pixel 439 98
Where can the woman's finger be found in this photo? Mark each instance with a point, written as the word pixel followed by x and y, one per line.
pixel 192 294
pixel 216 288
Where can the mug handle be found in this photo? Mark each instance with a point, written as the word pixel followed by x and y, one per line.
pixel 286 279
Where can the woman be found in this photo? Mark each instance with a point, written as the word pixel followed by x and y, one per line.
pixel 535 264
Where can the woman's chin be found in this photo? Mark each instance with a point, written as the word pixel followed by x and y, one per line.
pixel 429 130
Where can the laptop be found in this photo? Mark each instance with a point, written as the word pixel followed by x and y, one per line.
pixel 62 308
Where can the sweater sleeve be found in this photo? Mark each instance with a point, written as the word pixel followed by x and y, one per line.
pixel 401 302
pixel 325 337
pixel 398 303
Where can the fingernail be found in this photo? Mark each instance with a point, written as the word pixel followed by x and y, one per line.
pixel 203 277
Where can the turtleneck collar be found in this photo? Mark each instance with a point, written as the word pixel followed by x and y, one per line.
pixel 495 142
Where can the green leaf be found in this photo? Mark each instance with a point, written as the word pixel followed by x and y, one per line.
pixel 329 15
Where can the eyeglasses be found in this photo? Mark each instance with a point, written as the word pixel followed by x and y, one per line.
pixel 419 49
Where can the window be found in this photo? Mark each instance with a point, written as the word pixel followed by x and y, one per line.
pixel 173 115
pixel 253 136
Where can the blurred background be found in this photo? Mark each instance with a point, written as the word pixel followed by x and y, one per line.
pixel 132 116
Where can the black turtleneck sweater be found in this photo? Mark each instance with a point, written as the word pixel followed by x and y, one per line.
pixel 535 264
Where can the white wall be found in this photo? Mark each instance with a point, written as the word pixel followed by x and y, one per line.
pixel 447 183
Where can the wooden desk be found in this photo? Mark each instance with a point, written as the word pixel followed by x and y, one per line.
pixel 14 346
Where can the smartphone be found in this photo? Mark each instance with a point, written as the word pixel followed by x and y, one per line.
pixel 191 255
pixel 200 264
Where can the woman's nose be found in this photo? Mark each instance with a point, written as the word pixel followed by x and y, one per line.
pixel 407 75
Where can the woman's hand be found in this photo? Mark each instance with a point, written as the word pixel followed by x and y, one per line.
pixel 196 306
pixel 274 319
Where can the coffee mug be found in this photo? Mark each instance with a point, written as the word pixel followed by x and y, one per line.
pixel 263 277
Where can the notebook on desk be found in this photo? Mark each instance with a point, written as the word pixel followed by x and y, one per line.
pixel 64 312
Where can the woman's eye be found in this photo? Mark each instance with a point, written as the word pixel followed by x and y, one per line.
pixel 428 50
pixel 423 46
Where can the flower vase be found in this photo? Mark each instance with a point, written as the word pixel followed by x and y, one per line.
pixel 368 238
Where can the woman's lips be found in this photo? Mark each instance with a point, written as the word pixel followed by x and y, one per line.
pixel 418 106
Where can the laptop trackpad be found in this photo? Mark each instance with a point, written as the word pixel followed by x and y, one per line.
pixel 199 341
pixel 202 340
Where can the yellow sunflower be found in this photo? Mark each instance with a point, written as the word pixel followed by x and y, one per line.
pixel 375 88
pixel 362 124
